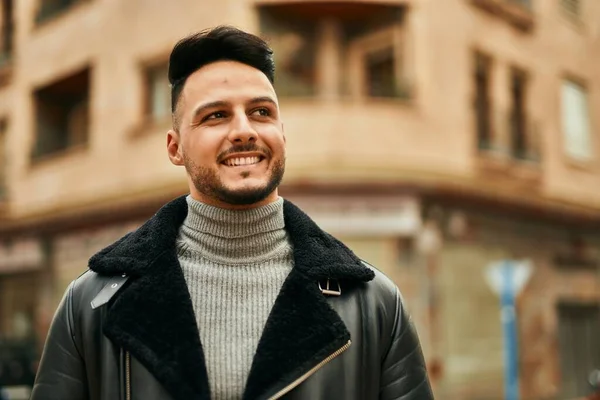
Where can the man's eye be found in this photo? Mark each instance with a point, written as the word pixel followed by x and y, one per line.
pixel 216 115
pixel 263 112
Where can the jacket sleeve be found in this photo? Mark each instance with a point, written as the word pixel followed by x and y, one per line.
pixel 403 372
pixel 61 374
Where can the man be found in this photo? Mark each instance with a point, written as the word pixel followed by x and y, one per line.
pixel 230 292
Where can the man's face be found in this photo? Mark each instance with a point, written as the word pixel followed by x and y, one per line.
pixel 230 137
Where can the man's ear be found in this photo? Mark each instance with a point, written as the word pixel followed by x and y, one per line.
pixel 174 147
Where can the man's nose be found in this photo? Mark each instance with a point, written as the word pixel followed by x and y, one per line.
pixel 242 130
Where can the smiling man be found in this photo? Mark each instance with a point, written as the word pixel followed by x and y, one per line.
pixel 228 134
pixel 230 292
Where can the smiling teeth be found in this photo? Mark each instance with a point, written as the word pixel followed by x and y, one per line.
pixel 235 162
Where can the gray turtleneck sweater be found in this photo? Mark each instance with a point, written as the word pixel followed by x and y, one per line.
pixel 234 263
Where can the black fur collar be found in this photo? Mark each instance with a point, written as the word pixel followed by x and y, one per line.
pixel 153 316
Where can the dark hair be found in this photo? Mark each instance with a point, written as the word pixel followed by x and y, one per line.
pixel 221 43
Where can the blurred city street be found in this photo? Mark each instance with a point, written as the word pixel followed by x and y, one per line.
pixel 454 144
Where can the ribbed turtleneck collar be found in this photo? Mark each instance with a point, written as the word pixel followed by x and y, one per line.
pixel 234 236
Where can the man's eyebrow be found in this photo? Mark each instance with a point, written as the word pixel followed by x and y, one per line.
pixel 263 99
pixel 203 107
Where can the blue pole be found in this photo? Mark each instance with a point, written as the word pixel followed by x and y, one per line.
pixel 509 328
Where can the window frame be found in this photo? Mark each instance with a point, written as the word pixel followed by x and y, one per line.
pixel 35 157
pixel 591 142
pixel 148 93
pixel 519 74
pixel 377 41
pixel 487 58
pixel 143 123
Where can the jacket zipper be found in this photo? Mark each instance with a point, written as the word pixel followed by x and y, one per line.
pixel 127 376
pixel 304 377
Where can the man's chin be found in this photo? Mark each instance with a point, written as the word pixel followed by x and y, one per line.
pixel 246 193
pixel 244 197
pixel 245 183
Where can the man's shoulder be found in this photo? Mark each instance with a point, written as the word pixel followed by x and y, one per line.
pixel 383 282
pixel 89 281
pixel 382 289
pixel 381 304
pixel 90 290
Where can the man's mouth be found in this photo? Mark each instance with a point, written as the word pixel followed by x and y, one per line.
pixel 242 161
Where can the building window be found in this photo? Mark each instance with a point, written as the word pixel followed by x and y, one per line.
pixel 378 50
pixel 294 44
pixel 482 78
pixel 335 49
pixel 3 158
pixel 7 29
pixel 579 346
pixel 576 121
pixel 62 114
pixel 572 7
pixel 48 9
pixel 381 70
pixel 158 94
pixel 519 132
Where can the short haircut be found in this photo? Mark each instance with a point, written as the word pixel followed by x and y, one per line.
pixel 222 43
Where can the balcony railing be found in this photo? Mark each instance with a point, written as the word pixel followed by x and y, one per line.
pixel 511 139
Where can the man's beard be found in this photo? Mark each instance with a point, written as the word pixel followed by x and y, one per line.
pixel 207 182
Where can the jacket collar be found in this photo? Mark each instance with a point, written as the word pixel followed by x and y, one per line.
pixel 153 317
pixel 321 255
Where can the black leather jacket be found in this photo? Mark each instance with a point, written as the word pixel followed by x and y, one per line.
pixel 126 330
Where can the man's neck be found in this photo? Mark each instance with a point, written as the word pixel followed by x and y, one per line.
pixel 211 201
pixel 233 236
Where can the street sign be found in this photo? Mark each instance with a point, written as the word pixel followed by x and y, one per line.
pixel 520 272
pixel 507 279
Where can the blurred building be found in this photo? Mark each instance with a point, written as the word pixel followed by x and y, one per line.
pixel 432 136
